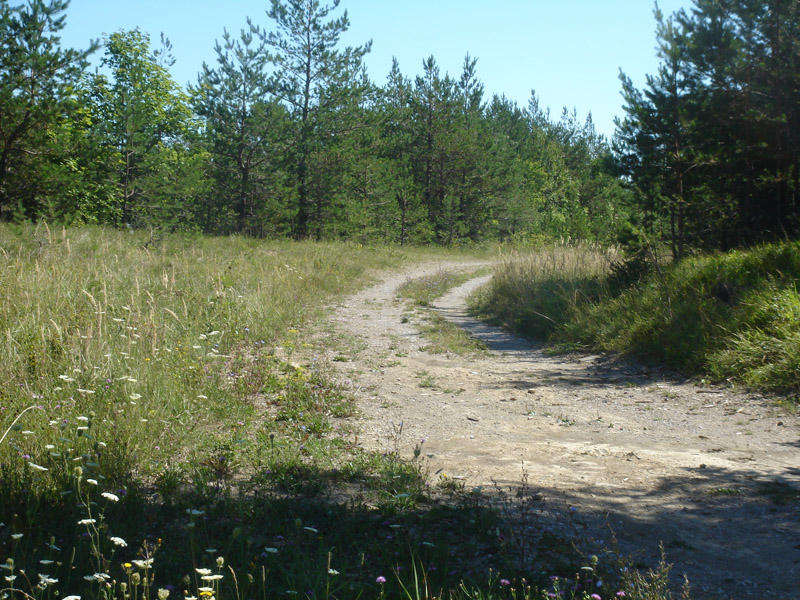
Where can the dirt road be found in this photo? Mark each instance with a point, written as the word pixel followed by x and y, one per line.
pixel 706 471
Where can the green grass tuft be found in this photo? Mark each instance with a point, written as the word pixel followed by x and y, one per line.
pixel 733 316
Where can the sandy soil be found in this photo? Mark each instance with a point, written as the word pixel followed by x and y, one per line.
pixel 659 460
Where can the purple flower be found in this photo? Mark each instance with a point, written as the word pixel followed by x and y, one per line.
pixel 620 594
pixel 505 582
pixel 595 597
pixel 380 579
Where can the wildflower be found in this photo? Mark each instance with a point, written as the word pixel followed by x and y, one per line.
pixel 72 598
pixel 220 562
pixel 16 536
pixel 86 522
pixel 203 571
pixel 92 481
pixel 118 541
pixel 505 582
pixel 46 561
pixel 163 594
pixel 595 597
pixel 380 579
pixel 82 418
pixel 144 564
pixel 271 550
pixel 311 529
pixel 211 577
pixel 333 572
pixel 620 594
pixel 46 579
pixel 194 512
pixel 36 467
pixel 110 496
pixel 10 578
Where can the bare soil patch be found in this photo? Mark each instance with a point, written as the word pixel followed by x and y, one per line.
pixel 706 471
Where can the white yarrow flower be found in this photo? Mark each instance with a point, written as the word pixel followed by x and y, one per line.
pixel 110 496
pixel 203 571
pixel 144 564
pixel 92 481
pixel 36 467
pixel 118 541
pixel 86 522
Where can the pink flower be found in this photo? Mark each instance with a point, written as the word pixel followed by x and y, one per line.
pixel 595 597
pixel 380 579
pixel 505 582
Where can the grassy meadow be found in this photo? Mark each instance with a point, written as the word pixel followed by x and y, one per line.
pixel 167 431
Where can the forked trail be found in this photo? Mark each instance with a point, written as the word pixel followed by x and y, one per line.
pixel 709 473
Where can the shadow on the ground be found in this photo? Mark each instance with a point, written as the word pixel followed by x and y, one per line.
pixel 736 535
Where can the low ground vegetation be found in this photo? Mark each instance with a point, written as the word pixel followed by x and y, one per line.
pixel 730 317
pixel 166 431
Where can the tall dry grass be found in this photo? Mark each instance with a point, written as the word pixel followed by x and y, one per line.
pixel 533 291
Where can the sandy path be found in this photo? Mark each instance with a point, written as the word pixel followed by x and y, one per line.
pixel 662 460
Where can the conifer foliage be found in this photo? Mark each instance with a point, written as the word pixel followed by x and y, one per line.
pixel 287 134
pixel 712 143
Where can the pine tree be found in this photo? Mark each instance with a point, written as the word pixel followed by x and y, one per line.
pixel 37 89
pixel 245 133
pixel 315 80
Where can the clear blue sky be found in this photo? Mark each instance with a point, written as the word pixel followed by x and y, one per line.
pixel 569 51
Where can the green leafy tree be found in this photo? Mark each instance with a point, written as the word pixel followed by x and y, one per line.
pixel 143 118
pixel 37 92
